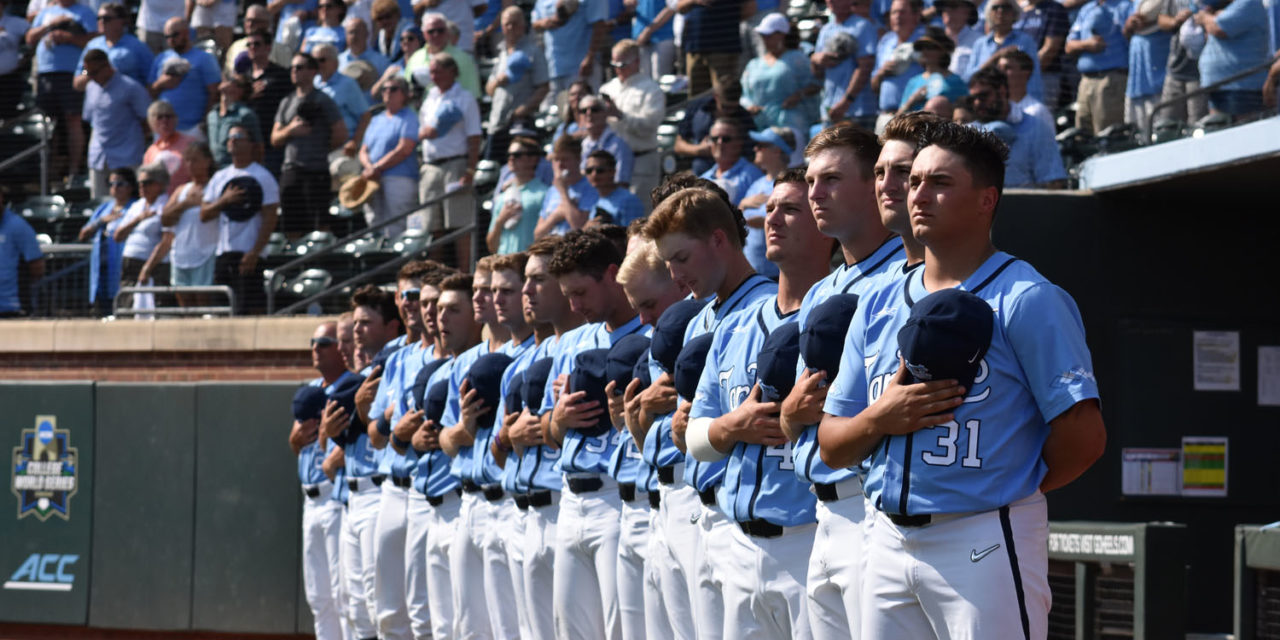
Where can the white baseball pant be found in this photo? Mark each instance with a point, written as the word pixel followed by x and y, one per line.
pixel 440 531
pixel 321 568
pixel 358 542
pixel 969 575
pixel 835 565
pixel 466 565
pixel 511 537
pixel 710 566
pixel 679 514
pixel 586 579
pixel 498 522
pixel 415 565
pixel 539 567
pixel 389 581
pixel 633 545
pixel 657 614
pixel 764 583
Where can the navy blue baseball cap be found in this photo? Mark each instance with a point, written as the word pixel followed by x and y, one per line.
pixel 434 403
pixel 513 401
pixel 822 339
pixel 308 403
pixel 485 377
pixel 419 388
pixel 776 363
pixel 689 365
pixel 946 336
pixel 344 392
pixel 250 205
pixel 641 371
pixel 590 374
pixel 535 383
pixel 621 365
pixel 668 334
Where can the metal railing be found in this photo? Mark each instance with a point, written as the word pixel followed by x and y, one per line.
pixel 41 148
pixel 1151 118
pixel 228 310
pixel 275 277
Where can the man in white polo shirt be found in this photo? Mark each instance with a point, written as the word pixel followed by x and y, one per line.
pixel 450 137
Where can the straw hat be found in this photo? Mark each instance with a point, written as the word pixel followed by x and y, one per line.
pixel 356 192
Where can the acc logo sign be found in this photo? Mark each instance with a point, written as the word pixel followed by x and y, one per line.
pixel 44 572
pixel 45 470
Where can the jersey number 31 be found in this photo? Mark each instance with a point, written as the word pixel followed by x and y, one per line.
pixel 947 442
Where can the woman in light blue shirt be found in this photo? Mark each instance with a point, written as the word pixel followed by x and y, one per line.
pixel 933 51
pixel 777 87
pixel 105 258
pixel 516 208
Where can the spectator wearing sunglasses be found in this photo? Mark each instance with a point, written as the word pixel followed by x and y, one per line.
pixel 621 205
pixel 515 208
pixel 388 157
pixel 232 110
pixel 127 53
pixel 270 84
pixel 243 240
pixel 636 106
pixel 1001 16
pixel 437 31
pixel 346 93
pixel 104 259
pixel 733 172
pixel 328 27
pixel 168 144
pixel 593 118
pixel 185 77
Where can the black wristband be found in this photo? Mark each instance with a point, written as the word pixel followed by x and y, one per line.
pixel 398 443
pixel 384 425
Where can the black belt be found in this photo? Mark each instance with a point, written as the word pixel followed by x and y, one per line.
pixel 646 152
pixel 655 499
pixel 354 483
pixel 403 483
pixel 1100 74
pixel 585 485
pixel 312 492
pixel 522 502
pixel 377 478
pixel 469 486
pixel 441 161
pixel 667 474
pixel 761 528
pixel 539 498
pixel 910 521
pixel 436 501
pixel 493 492
pixel 627 491
pixel 708 497
pixel 826 492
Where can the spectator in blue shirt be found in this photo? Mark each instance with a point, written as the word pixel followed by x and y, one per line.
pixel 568 37
pixel 388 157
pixel 328 28
pixel 652 30
pixel 571 198
pixel 692 138
pixel 1033 160
pixel 17 244
pixel 621 205
pixel 1239 38
pixel 127 53
pixel 1148 62
pixel 517 206
pixel 12 79
pixel 894 63
pixel 1097 37
pixel 731 170
pixel 592 119
pixel 844 58
pixel 115 106
pixel 185 77
pixel 351 101
pixel 59 33
pixel 1047 23
pixel 933 50
pixel 105 257
pixel 774 148
pixel 778 87
pixel 358 47
pixel 388 25
pixel 1001 15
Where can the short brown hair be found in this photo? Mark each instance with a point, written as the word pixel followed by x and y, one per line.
pixel 696 212
pixel 383 8
pixel 863 144
pixel 685 180
pixel 791 176
pixel 908 127
pixel 587 252
pixel 486 263
pixel 511 262
pixel 567 144
pixel 457 282
pixel 544 246
pixel 382 302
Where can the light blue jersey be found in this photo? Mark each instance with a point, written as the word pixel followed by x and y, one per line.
pixel 1037 367
pixel 512 481
pixel 704 475
pixel 462 462
pixel 586 454
pixel 484 467
pixel 311 456
pixel 361 458
pixel 857 278
pixel 759 481
pixel 538 465
pixel 432 477
pixel 394 392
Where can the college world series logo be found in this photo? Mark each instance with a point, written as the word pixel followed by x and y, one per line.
pixel 45 470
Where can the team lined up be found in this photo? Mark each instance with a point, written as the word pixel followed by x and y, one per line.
pixel 630 433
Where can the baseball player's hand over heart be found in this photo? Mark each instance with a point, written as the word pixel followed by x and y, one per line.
pixel 660 398
pixel 527 430
pixel 558 387
pixel 906 408
pixel 334 420
pixel 303 433
pixel 636 417
pixel 679 423
pixel 472 406
pixel 368 391
pixel 333 462
pixel 617 406
pixel 427 438
pixel 803 406
pixel 753 422
pixel 408 425
pixel 574 412
pixel 503 439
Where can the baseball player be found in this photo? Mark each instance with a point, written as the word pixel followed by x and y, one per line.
pixel 959 461
pixel 389 407
pixel 321 510
pixel 650 290
pixel 585 264
pixel 536 464
pixel 842 197
pixel 767 553
pixel 700 238
pixel 377 322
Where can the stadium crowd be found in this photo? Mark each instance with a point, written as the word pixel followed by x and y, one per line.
pixel 383 101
